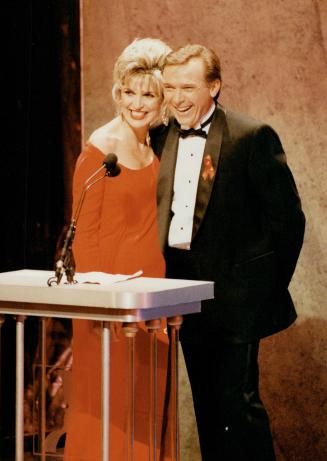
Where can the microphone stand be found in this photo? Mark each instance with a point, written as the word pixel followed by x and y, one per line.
pixel 65 264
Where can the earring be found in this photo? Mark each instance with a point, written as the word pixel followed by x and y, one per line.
pixel 164 116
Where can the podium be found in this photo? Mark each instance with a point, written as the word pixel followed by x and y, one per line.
pixel 25 293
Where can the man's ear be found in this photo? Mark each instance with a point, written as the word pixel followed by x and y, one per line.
pixel 214 88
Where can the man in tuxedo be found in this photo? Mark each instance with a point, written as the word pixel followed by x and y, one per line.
pixel 228 211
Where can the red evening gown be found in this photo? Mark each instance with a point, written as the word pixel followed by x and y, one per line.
pixel 116 233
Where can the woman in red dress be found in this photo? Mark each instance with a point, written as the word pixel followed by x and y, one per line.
pixel 117 233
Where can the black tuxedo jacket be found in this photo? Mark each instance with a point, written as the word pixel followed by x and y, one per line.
pixel 247 232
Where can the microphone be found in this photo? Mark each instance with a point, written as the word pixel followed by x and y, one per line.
pixel 65 262
pixel 110 163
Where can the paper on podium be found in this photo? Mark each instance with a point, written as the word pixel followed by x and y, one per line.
pixel 102 278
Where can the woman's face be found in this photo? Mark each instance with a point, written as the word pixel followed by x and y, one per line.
pixel 140 102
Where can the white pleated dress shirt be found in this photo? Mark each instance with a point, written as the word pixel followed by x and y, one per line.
pixel 187 171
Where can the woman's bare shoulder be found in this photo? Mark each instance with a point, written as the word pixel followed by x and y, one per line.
pixel 106 137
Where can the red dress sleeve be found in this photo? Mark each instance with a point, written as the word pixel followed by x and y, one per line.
pixel 86 241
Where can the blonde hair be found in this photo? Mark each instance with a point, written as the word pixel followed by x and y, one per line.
pixel 143 57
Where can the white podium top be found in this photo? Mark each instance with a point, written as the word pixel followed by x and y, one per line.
pixel 26 292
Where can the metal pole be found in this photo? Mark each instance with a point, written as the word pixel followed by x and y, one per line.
pixel 130 330
pixel 43 386
pixel 19 444
pixel 174 324
pixel 2 321
pixel 153 326
pixel 105 390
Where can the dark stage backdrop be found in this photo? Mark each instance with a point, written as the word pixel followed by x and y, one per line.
pixel 40 142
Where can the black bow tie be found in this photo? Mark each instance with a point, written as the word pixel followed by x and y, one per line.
pixel 192 132
pixel 195 132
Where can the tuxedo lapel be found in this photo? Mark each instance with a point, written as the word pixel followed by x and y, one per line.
pixel 209 167
pixel 166 184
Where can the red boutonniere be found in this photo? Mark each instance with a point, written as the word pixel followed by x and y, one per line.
pixel 208 171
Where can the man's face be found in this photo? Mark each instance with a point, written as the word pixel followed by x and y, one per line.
pixel 187 93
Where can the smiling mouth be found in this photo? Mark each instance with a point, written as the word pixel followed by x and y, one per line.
pixel 183 110
pixel 137 114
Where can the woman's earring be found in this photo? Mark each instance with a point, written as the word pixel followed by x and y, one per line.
pixel 164 116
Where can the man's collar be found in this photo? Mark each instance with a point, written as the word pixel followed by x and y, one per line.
pixel 202 123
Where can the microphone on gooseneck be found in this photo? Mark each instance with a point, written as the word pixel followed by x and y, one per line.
pixel 65 262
